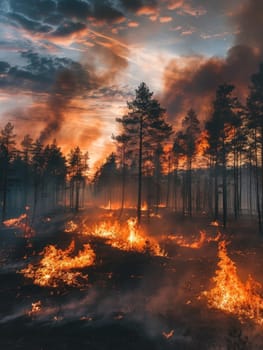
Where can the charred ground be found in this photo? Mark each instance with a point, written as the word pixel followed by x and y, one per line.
pixel 131 299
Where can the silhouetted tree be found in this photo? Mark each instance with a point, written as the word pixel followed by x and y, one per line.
pixel 255 124
pixel 188 143
pixel 7 145
pixel 146 128
pixel 77 169
pixel 219 128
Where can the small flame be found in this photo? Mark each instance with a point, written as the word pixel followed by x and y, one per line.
pixel 71 226
pixel 22 222
pixel 168 335
pixel 36 308
pixel 233 296
pixel 196 244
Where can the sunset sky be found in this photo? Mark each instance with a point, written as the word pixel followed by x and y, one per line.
pixel 67 67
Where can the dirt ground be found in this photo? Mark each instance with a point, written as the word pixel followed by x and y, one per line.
pixel 131 300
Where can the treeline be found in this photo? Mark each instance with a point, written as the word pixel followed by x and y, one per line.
pixel 213 168
pixel 38 177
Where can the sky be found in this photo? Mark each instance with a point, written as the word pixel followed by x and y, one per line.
pixel 68 67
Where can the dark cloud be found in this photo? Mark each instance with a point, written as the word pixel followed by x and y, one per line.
pixel 74 8
pixel 29 24
pixel 135 5
pixel 4 67
pixel 41 15
pixel 67 28
pixel 104 10
pixel 34 9
pixel 39 74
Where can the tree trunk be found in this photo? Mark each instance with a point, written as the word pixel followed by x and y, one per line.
pixel 140 173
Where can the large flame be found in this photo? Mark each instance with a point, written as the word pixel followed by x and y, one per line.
pixel 231 295
pixel 55 267
pixel 127 236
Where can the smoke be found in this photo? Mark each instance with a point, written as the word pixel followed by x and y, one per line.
pixel 191 82
pixel 81 80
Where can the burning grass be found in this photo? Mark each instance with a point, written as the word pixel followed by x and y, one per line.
pixel 21 222
pixel 127 236
pixel 197 243
pixel 59 266
pixel 231 295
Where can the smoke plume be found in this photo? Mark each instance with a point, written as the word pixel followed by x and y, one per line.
pixel 193 84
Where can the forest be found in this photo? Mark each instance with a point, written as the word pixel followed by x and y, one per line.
pixel 159 248
pixel 211 168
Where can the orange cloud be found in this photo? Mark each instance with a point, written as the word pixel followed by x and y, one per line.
pixel 147 11
pixel 165 19
pixel 133 24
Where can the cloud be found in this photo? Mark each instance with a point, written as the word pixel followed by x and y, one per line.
pixel 133 24
pixel 165 19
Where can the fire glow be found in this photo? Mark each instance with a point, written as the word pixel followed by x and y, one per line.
pixel 127 236
pixel 231 295
pixel 55 267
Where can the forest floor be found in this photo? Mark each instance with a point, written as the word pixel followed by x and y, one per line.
pixel 131 300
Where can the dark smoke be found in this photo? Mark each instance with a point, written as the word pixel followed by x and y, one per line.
pixel 195 84
pixel 69 83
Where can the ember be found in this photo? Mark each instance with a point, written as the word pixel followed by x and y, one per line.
pixel 56 266
pixel 231 295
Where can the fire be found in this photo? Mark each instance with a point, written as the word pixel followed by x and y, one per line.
pixel 196 244
pixel 36 308
pixel 126 237
pixel 22 222
pixel 233 296
pixel 214 223
pixel 56 266
pixel 71 226
pixel 202 144
pixel 168 335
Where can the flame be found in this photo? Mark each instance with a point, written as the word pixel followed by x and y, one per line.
pixel 168 335
pixel 36 308
pixel 128 237
pixel 197 244
pixel 71 226
pixel 144 207
pixel 202 144
pixel 56 264
pixel 233 296
pixel 214 223
pixel 22 222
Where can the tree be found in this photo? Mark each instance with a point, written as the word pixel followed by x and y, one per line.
pixel 55 170
pixel 105 179
pixel 255 124
pixel 77 172
pixel 187 140
pixel 219 129
pixel 146 129
pixel 7 146
pixel 27 144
